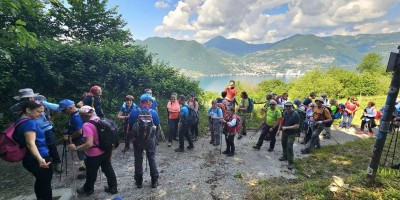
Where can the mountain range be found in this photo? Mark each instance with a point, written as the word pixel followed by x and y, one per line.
pixel 301 52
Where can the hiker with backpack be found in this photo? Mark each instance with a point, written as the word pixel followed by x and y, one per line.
pixel 74 130
pixel 95 156
pixel 193 103
pixel 244 111
pixel 289 126
pixel 93 99
pixel 215 116
pixel 186 114
pixel 309 121
pixel 44 122
pixel 333 108
pixel 321 116
pixel 368 118
pixel 173 108
pixel 301 110
pixel 232 126
pixel 351 107
pixel 144 122
pixel 32 138
pixel 123 115
pixel 325 100
pixel 270 126
pixel 281 100
pixel 231 93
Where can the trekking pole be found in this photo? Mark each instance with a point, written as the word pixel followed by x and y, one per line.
pixel 387 153
pixel 73 170
pixel 62 158
pixel 251 137
pixel 334 139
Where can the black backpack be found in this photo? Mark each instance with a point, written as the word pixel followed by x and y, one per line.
pixel 302 115
pixel 108 134
pixel 193 116
pixel 144 125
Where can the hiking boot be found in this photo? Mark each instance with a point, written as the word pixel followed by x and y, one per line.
pixel 244 133
pixel 139 184
pixel 154 183
pixel 190 147
pixel 179 150
pixel 169 144
pixel 256 147
pixel 211 142
pixel 290 166
pixel 270 150
pixel 57 168
pixel 81 176
pixel 305 151
pixel 225 152
pixel 82 169
pixel 82 190
pixel 216 144
pixel 110 190
pixel 371 134
pixel 282 158
pixel 125 149
pixel 240 137
pixel 360 132
pixel 230 154
pixel 138 181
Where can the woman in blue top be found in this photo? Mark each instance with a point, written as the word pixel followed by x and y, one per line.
pixel 37 159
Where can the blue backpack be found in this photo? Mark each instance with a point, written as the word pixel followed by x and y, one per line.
pixel 339 111
pixel 251 105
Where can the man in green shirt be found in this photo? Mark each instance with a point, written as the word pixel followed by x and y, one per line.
pixel 271 124
pixel 242 112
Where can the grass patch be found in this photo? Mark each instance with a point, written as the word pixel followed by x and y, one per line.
pixel 348 161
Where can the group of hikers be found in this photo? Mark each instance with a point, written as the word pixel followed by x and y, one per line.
pixel 141 125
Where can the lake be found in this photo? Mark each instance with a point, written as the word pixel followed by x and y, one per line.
pixel 218 83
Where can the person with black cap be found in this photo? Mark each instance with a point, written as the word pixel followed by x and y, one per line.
pixel 321 117
pixel 184 125
pixel 289 127
pixel 144 121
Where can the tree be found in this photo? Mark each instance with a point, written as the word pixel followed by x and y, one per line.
pixel 89 21
pixel 372 63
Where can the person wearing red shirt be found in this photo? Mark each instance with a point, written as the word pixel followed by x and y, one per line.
pixel 231 93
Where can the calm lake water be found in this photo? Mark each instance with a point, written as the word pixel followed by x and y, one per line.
pixel 217 84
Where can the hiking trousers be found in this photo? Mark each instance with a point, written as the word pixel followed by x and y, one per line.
pixel 184 132
pixel 308 133
pixel 347 119
pixel 172 128
pixel 315 137
pixel 43 176
pixel 271 136
pixel 92 167
pixel 150 148
pixel 230 143
pixel 195 130
pixel 287 146
pixel 128 136
pixel 216 130
pixel 52 146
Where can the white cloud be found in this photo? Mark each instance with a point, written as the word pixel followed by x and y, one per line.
pixel 161 4
pixel 246 19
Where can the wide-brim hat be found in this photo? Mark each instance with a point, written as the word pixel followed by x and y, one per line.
pixel 320 99
pixel 25 93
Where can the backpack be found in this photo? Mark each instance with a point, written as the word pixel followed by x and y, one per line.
pixel 378 114
pixel 339 112
pixel 144 126
pixel 108 134
pixel 302 115
pixel 10 149
pixel 193 116
pixel 251 105
pixel 237 125
pixel 223 108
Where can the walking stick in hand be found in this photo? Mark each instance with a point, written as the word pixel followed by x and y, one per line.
pixel 73 169
pixel 262 125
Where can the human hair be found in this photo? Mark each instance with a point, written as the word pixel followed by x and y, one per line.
pixel 147 89
pixel 32 104
pixel 223 94
pixel 333 102
pixel 182 97
pixel 270 96
pixel 313 94
pixel 174 94
pixel 230 108
pixel 232 81
pixel 245 96
pixel 214 102
pixel 372 103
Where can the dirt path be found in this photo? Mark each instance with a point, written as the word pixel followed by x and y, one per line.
pixel 202 173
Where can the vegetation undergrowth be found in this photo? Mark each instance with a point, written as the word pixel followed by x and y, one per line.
pixel 348 161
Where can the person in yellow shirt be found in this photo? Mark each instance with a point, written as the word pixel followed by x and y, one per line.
pixel 271 124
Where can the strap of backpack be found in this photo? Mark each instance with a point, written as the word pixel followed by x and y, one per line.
pixel 96 124
pixel 92 101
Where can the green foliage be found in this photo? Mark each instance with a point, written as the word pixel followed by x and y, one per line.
pixel 274 85
pixel 372 63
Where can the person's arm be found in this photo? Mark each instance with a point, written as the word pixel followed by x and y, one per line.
pixel 196 106
pixel 156 120
pixel 30 137
pixel 121 116
pixel 88 137
pixel 79 104
pixel 232 122
pixel 76 134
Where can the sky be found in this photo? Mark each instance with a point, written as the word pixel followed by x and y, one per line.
pixel 257 21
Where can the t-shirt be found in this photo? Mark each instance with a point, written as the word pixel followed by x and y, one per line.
pixel 230 94
pixel 173 110
pixel 75 123
pixel 95 102
pixel 243 104
pixel 351 107
pixel 40 139
pixel 154 105
pixel 291 119
pixel 216 112
pixel 272 116
pixel 90 130
pixel 319 115
pixel 184 113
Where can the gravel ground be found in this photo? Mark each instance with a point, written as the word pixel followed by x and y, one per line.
pixel 201 173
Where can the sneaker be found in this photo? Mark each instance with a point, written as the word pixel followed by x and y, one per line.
pixel 57 168
pixel 230 154
pixel 139 184
pixel 154 183
pixel 240 137
pixel 360 132
pixel 282 158
pixel 190 147
pixel 81 191
pixel 256 147
pixel 82 169
pixel 110 190
pixel 169 144
pixel 371 134
pixel 305 151
pixel 270 150
pixel 244 133
pixel 290 166
pixel 225 152
pixel 81 176
pixel 179 150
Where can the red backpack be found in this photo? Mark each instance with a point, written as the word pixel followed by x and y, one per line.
pixel 11 150
pixel 237 126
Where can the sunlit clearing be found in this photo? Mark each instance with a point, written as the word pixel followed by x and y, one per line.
pixel 341 160
pixel 252 182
